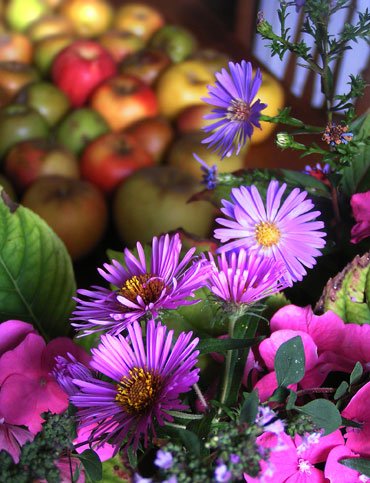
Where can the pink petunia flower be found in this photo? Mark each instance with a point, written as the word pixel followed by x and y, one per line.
pixel 336 472
pixel 27 386
pixel 291 464
pixel 360 203
pixel 357 439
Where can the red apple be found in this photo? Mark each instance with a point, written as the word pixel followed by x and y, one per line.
pixel 15 47
pixel 123 100
pixel 29 160
pixel 80 67
pixel 90 18
pixel 146 64
pixel 153 134
pixel 50 101
pixel 121 44
pixel 192 118
pixel 154 200
pixel 111 158
pixel 15 75
pixel 74 209
pixel 141 20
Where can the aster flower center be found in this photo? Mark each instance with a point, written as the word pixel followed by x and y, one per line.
pixel 148 287
pixel 139 391
pixel 239 110
pixel 267 234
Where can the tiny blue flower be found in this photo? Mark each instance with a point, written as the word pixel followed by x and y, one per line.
pixel 209 174
pixel 164 459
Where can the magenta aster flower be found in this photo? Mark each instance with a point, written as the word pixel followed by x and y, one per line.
pixel 285 233
pixel 243 279
pixel 235 115
pixel 145 382
pixel 141 290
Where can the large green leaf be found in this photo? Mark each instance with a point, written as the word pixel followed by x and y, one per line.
pixel 348 293
pixel 36 274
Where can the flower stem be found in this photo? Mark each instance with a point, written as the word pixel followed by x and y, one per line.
pixel 227 375
pixel 181 415
pixel 200 396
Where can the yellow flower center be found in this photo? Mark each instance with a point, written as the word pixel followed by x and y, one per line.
pixel 238 111
pixel 267 234
pixel 139 391
pixel 146 286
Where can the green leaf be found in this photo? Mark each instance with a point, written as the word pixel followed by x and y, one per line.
pixel 190 440
pixel 279 395
pixel 291 400
pixel 342 389
pixel 290 362
pixel 324 415
pixel 36 273
pixel 205 346
pixel 358 464
pixel 92 464
pixel 356 373
pixel 350 424
pixel 348 293
pixel 308 182
pixel 115 471
pixel 248 412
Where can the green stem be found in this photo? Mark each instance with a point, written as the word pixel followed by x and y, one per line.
pixel 179 414
pixel 227 375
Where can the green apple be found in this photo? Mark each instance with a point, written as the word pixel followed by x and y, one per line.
pixel 48 48
pixel 80 127
pixel 46 98
pixel 154 200
pixel 18 123
pixel 21 13
pixel 176 41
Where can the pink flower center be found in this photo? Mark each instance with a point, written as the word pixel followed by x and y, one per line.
pixel 304 466
pixel 238 111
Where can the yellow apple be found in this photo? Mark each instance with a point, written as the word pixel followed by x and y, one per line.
pixel 182 85
pixel 90 18
pixel 271 93
pixel 141 20
pixel 48 25
pixel 181 156
pixel 153 200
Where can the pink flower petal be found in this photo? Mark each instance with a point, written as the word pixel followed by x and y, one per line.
pixel 24 359
pixel 325 330
pixel 105 452
pixel 335 472
pixel 60 347
pixel 317 453
pixel 12 333
pixel 357 336
pixel 23 399
pixel 313 475
pixel 269 347
pixel 327 362
pixel 360 203
pixel 12 438
pixel 357 439
pixel 267 385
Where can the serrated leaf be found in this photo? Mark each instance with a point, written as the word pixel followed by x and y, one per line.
pixel 289 362
pixel 248 411
pixel 205 346
pixel 36 274
pixel 342 389
pixel 356 373
pixel 348 293
pixel 92 464
pixel 324 415
pixel 358 464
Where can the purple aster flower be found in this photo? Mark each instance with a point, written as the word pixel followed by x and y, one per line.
pixel 141 290
pixel 245 278
pixel 209 174
pixel 235 115
pixel 285 233
pixel 66 370
pixel 145 383
pixel 163 459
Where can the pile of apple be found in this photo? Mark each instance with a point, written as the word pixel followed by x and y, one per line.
pixel 101 108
